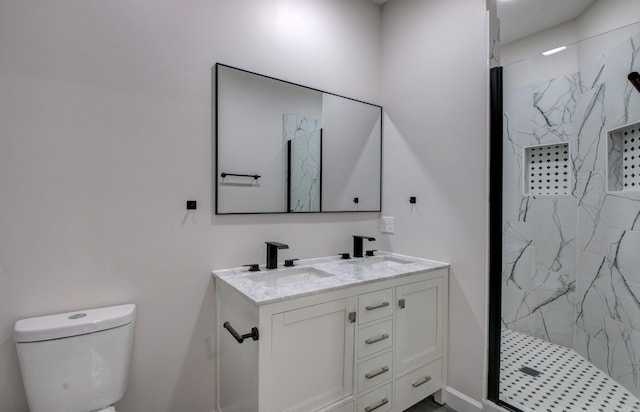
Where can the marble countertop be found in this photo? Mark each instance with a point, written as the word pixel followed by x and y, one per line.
pixel 311 276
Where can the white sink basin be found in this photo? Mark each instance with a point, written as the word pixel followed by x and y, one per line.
pixel 288 276
pixel 379 262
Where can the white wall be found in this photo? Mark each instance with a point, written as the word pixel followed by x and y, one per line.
pixel 601 17
pixel 533 45
pixel 606 15
pixel 105 132
pixel 525 65
pixel 606 24
pixel 434 90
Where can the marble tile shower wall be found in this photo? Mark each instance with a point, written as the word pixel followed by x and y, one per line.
pixel 571 263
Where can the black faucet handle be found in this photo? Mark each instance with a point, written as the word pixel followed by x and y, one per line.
pixel 278 245
pixel 253 267
pixel 371 252
pixel 289 262
pixel 344 255
pixel 369 238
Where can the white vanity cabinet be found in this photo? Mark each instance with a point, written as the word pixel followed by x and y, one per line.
pixel 374 346
pixel 311 356
pixel 420 339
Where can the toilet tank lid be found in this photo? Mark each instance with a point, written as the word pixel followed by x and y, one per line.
pixel 79 322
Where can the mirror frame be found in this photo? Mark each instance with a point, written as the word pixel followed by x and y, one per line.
pixel 286 212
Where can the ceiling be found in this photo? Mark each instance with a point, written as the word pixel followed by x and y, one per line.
pixel 522 18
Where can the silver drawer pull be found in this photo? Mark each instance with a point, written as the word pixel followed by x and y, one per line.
pixel 425 380
pixel 381 305
pixel 380 404
pixel 372 375
pixel 378 339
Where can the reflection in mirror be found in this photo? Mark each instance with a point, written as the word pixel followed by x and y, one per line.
pixel 286 148
pixel 352 132
pixel 304 159
pixel 570 323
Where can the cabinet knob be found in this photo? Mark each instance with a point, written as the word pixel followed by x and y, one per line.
pixel 352 317
pixel 401 303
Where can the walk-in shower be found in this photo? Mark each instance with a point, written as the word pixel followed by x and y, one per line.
pixel 566 335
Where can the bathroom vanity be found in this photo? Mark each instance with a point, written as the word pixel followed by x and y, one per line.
pixel 366 334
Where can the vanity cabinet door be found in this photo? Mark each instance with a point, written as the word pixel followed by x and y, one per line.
pixel 419 324
pixel 312 356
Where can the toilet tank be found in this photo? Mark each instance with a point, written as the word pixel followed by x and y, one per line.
pixel 75 361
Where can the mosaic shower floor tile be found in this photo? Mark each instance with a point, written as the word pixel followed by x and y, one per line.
pixel 566 381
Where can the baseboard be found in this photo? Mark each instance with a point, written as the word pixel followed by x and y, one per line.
pixel 461 402
pixel 492 407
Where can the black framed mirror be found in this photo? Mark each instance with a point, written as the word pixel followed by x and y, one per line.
pixel 285 148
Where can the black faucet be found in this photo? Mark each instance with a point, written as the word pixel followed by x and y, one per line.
pixel 272 253
pixel 357 244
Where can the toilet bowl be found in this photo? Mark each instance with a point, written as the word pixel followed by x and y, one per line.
pixel 76 361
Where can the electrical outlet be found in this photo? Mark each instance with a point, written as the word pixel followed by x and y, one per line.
pixel 386 224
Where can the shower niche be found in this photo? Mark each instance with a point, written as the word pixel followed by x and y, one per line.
pixel 547 171
pixel 623 149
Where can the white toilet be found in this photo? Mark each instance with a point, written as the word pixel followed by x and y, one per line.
pixel 76 361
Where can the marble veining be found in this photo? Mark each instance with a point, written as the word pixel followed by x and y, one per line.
pixel 571 267
pixel 305 135
pixel 345 273
pixel 494 36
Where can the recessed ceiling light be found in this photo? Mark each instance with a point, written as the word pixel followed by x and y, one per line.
pixel 554 51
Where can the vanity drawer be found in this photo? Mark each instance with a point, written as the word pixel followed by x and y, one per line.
pixel 379 400
pixel 421 382
pixel 375 305
pixel 375 371
pixel 374 338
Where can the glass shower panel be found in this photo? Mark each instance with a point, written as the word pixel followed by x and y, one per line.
pixel 571 267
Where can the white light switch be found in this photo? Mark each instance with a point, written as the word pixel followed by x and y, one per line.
pixel 386 224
